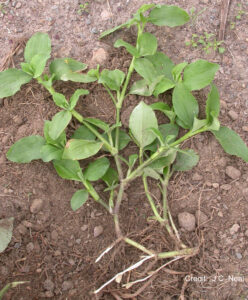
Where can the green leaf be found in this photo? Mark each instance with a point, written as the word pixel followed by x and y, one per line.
pixel 50 152
pixel 151 173
pixel 158 135
pixel 83 133
pixel 11 80
pixel 164 85
pixel 109 31
pixel 27 69
pixel 110 177
pixel 38 44
pixel 130 48
pixel 59 123
pixel 67 69
pixel 141 88
pixel 74 98
pixel 185 105
pixel 231 142
pixel 213 103
pixel 98 123
pixel 60 100
pixel 164 161
pixel 68 169
pixel 177 70
pixel 78 199
pixel 38 63
pixel 164 15
pixel 162 64
pixel 60 141
pixel 145 68
pixel 215 124
pixel 165 108
pixel 199 74
pixel 81 149
pixel 26 149
pixel 141 119
pixel 198 124
pixel 97 169
pixel 113 79
pixel 6 229
pixel 186 160
pixel 147 44
pixel 124 138
pixel 169 130
pixel 132 159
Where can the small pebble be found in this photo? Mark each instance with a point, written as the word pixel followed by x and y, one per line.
pixel 48 285
pixel 18 5
pixel 246 233
pixel 232 172
pixel 30 247
pixel 215 185
pixel 234 229
pixel 94 30
pixel 57 253
pixel 67 285
pixel 220 214
pixel 54 235
pixel 105 15
pixel 78 241
pixel 98 230
pixel 49 294
pixel 88 22
pixel 233 115
pixel 197 177
pixel 84 227
pixel 245 128
pixel 17 120
pixel 99 56
pixel 36 206
pixel 225 187
pixel 186 221
pixel 238 255
pixel 21 229
pixel 71 262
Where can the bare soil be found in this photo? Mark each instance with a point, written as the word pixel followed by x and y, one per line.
pixel 55 248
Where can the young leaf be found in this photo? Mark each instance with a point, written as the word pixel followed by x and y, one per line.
pixel 83 133
pixel 40 44
pixel 163 161
pixel 27 69
pixel 151 173
pixel 162 64
pixel 74 98
pixel 169 130
pixel 60 141
pixel 67 69
pixel 147 44
pixel 124 138
pixel 177 70
pixel 164 15
pixel 38 63
pixel 60 100
pixel 110 177
pixel 130 49
pixel 81 149
pixel 215 123
pixel 142 118
pixel 68 169
pixel 6 229
pixel 185 105
pixel 26 149
pixel 146 69
pixel 141 88
pixel 165 108
pixel 113 79
pixel 59 123
pixel 198 124
pixel 11 81
pixel 78 199
pixel 50 152
pixel 231 142
pixel 164 85
pixel 199 74
pixel 132 159
pixel 213 103
pixel 186 160
pixel 98 123
pixel 158 134
pixel 97 169
pixel 109 31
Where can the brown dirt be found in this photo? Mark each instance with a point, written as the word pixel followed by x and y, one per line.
pixel 55 249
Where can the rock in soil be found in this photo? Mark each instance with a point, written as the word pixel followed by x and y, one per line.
pixel 232 172
pixel 233 115
pixel 67 285
pixel 36 206
pixel 48 285
pixel 234 229
pixel 197 177
pixel 186 221
pixel 98 230
pixel 99 56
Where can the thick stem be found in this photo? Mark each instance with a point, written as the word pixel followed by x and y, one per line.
pixel 187 251
pixel 117 208
pixel 139 246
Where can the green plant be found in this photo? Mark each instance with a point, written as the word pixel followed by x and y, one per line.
pixel 159 154
pixel 10 285
pixel 194 14
pixel 207 42
pixel 83 8
pixel 239 15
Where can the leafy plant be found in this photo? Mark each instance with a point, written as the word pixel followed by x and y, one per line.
pixel 10 285
pixel 83 8
pixel 238 16
pixel 194 15
pixel 159 154
pixel 206 42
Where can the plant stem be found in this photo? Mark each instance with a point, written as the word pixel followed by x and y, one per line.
pixel 139 246
pixel 80 118
pixel 187 251
pixel 110 94
pixel 117 208
pixel 161 151
pixel 152 204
